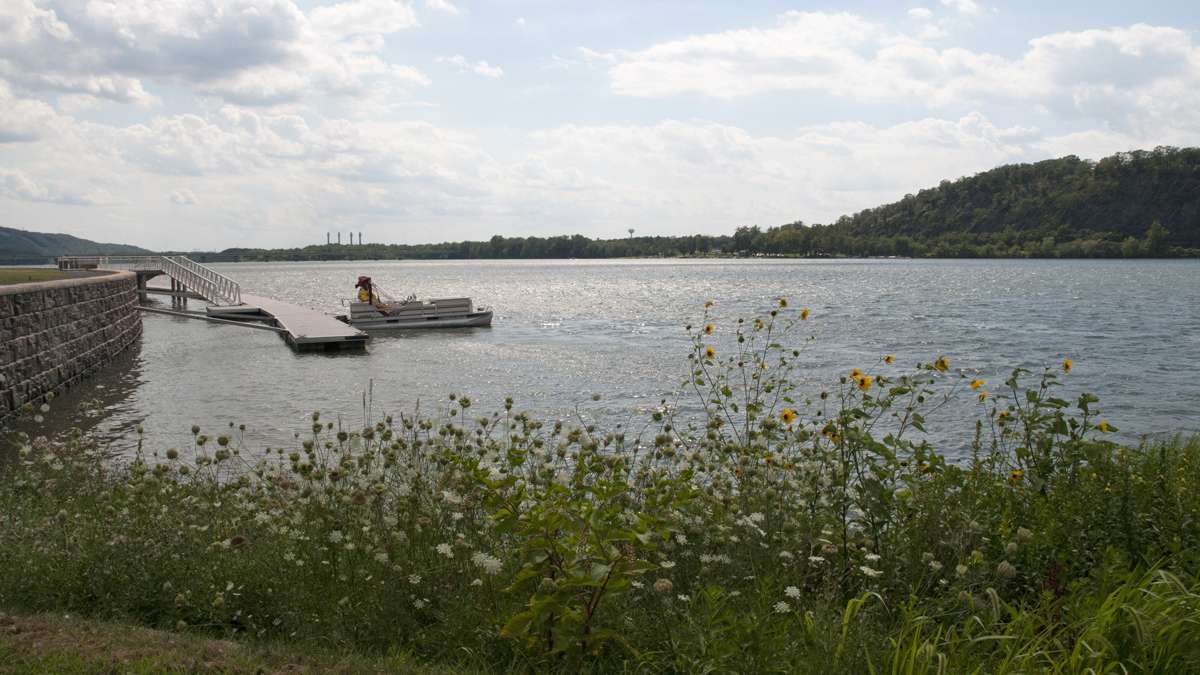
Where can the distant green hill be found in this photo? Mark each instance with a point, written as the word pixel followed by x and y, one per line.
pixel 23 247
pixel 1144 203
pixel 1115 198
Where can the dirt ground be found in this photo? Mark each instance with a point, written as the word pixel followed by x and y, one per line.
pixel 46 643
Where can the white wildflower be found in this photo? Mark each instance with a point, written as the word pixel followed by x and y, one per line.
pixel 489 564
pixel 870 572
pixel 815 559
pixel 414 579
pixel 872 557
pixel 935 566
pixel 792 592
pixel 684 598
pixel 681 539
pixel 446 550
pixel 477 582
pixel 666 564
pixel 336 537
pixel 782 607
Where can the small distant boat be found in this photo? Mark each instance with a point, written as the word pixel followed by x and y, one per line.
pixel 374 309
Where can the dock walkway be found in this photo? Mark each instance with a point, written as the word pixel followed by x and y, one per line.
pixel 304 330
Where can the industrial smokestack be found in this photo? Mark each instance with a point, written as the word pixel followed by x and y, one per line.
pixel 339 238
pixel 360 238
pixel 326 238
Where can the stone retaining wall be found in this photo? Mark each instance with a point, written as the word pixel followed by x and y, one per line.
pixel 54 333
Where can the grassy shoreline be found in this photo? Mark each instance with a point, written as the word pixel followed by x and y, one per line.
pixel 28 275
pixel 786 531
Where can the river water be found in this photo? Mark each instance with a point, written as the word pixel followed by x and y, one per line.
pixel 567 330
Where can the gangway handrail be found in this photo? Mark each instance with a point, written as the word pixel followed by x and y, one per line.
pixel 215 287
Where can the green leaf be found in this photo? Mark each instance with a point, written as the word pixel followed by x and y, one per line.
pixel 599 571
pixel 517 625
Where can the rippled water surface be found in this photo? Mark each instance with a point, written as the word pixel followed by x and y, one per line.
pixel 565 330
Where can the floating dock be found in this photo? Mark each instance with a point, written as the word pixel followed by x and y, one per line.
pixel 303 329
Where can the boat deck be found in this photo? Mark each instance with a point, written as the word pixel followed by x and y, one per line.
pixel 305 329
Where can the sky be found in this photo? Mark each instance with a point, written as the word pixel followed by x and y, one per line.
pixel 208 124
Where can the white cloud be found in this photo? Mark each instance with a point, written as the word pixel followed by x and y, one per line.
pixel 479 67
pixel 443 6
pixel 23 119
pixel 183 197
pixel 686 176
pixel 840 54
pixel 362 17
pixel 15 184
pixel 965 7
pixel 1136 75
pixel 927 28
pixel 249 51
pixel 519 22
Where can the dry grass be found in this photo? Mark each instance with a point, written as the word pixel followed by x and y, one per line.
pixel 46 643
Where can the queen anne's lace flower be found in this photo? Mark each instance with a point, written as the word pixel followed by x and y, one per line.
pixel 489 564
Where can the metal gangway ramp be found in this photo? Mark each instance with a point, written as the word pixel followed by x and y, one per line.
pixel 302 328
